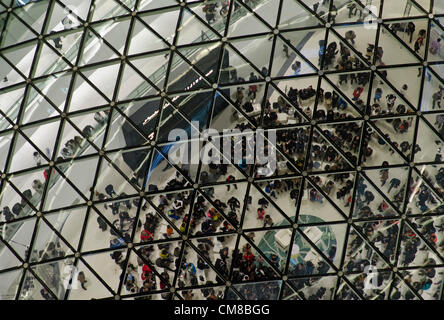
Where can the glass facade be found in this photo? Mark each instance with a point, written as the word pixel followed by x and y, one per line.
pixel 212 149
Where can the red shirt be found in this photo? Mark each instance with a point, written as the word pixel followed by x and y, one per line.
pixel 146 268
pixel 45 173
pixel 249 257
pixel 146 271
pixel 357 93
pixel 260 213
pixel 145 235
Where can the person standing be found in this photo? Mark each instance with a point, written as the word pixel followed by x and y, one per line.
pixel 8 214
pixel 260 213
pixel 410 30
pixel 391 98
pixel 230 179
pixel 252 89
pixel 37 158
pixel 109 189
pixel 394 183
pixel 102 224
pixel 45 294
pixel 420 41
pixel 268 221
pixel 37 185
pixel 321 52
pixel 350 36
pixel 357 93
pixel 436 99
pixel 384 175
pixel 378 95
pixel 368 197
pixel 285 49
pixel 404 89
pixel 169 231
pixel 296 67
pixel 316 7
pixel 351 9
pixel 234 203
pixel 81 278
pixel 172 215
pixel 417 45
pixel 67 22
pixel 439 121
pixel 435 46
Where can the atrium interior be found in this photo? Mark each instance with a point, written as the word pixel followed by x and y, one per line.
pixel 100 200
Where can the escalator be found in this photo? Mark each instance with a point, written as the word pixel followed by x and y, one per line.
pixel 197 106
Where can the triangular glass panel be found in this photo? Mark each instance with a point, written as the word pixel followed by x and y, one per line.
pixel 67 219
pixel 37 107
pixel 373 285
pixel 151 5
pixel 405 30
pixel 435 50
pixel 98 73
pixel 305 259
pixel 10 284
pixel 386 154
pixel 104 9
pixel 345 292
pixel 155 66
pixel 89 97
pixel 9 75
pixel 9 38
pixel 47 244
pixel 404 53
pixel 118 133
pixel 414 251
pixel 96 50
pixel 400 130
pixel 55 88
pixel 22 57
pixel 22 146
pixel 433 89
pixel 313 288
pixel 249 291
pixel 95 289
pixel 50 130
pixel 304 41
pixel 402 8
pixel 369 201
pixel 68 19
pixel 320 157
pixel 144 40
pixel 421 197
pixel 167 32
pixel 115 33
pixel 34 15
pixel 192 30
pixel 56 185
pixel 244 21
pixel 176 81
pixel 21 236
pixel 322 209
pixel 73 144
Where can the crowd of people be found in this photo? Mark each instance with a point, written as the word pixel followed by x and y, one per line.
pixel 331 149
pixel 71 149
pixel 209 215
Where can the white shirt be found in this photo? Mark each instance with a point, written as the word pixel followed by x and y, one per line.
pixel 178 205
